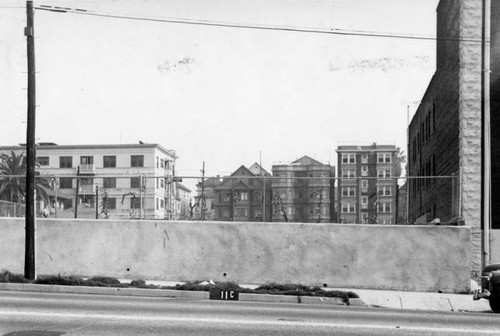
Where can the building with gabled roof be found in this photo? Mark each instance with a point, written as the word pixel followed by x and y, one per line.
pixel 243 196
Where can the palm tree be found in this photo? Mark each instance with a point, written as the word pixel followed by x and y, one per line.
pixel 401 160
pixel 13 180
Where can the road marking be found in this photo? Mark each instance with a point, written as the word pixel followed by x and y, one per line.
pixel 453 331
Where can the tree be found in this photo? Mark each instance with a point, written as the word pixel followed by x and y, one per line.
pixel 400 160
pixel 13 179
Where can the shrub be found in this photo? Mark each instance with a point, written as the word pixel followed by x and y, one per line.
pixel 106 281
pixel 60 280
pixel 6 276
pixel 138 283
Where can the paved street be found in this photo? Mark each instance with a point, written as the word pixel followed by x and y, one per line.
pixel 23 313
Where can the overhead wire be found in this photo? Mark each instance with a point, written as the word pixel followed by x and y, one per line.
pixel 331 31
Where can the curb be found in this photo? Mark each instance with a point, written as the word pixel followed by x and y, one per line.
pixel 167 293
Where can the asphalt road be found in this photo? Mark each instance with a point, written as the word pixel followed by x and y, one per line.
pixel 47 314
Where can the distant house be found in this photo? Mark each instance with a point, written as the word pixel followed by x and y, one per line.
pixel 204 201
pixel 243 196
pixel 303 191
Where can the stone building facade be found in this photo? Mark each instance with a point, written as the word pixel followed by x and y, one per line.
pixel 445 135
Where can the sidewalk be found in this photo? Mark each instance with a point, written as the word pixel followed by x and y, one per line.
pixel 400 299
pixel 422 301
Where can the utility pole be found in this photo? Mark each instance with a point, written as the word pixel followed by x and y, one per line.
pixel 96 202
pixel 485 135
pixel 29 258
pixel 202 199
pixel 77 190
pixel 263 189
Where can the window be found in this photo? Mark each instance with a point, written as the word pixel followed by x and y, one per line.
pixel 384 207
pixel 157 162
pixel 162 203
pixel 348 207
pixel 348 173
pixel 244 196
pixel 384 173
pixel 241 212
pixel 364 200
pixel 86 159
pixel 65 183
pixel 162 163
pixel 135 182
pixel 43 160
pixel 364 158
pixel 364 170
pixel 348 191
pixel 111 203
pixel 384 190
pixel 135 203
pixel 109 182
pixel 384 157
pixel 162 183
pixel 364 184
pixel 109 161
pixel 364 217
pixel 65 162
pixel 348 158
pixel 137 160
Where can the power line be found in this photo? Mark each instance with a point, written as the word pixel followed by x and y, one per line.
pixel 332 31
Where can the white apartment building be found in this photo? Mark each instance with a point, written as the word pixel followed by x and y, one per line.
pixel 129 181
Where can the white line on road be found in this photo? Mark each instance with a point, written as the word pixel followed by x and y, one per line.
pixel 250 322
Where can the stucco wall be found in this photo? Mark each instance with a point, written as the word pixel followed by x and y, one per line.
pixel 419 258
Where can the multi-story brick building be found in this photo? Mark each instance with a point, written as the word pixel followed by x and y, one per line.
pixel 447 134
pixel 303 191
pixel 243 196
pixel 128 180
pixel 368 184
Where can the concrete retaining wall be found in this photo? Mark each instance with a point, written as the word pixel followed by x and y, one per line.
pixel 415 258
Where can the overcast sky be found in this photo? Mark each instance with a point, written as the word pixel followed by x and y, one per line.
pixel 216 94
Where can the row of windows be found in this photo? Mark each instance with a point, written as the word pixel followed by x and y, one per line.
pixel 109 161
pixel 239 196
pixel 381 158
pixel 381 190
pixel 108 182
pixel 351 173
pixel 424 132
pixel 162 163
pixel 382 207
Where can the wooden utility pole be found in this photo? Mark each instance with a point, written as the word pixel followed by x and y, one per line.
pixel 202 198
pixel 77 190
pixel 29 258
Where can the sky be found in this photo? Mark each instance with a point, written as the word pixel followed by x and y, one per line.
pixel 224 96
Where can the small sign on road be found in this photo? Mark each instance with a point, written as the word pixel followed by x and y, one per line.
pixel 227 295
